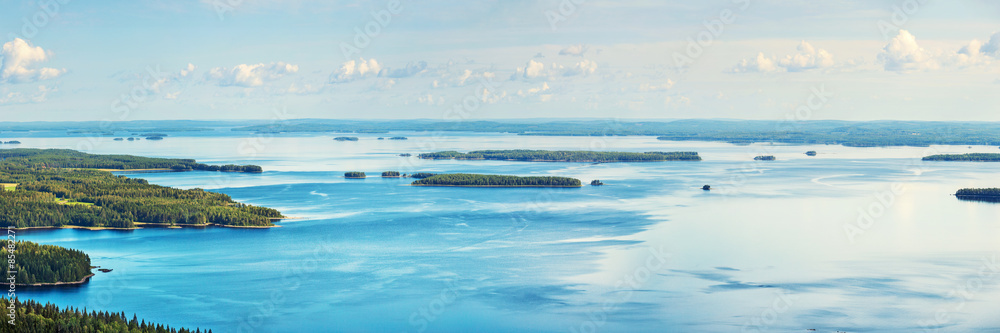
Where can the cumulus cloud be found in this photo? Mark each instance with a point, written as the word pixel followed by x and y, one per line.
pixel 759 64
pixel 40 95
pixel 353 70
pixel 244 75
pixel 411 69
pixel 18 59
pixel 574 50
pixel 647 87
pixel 806 58
pixel 585 67
pixel 904 54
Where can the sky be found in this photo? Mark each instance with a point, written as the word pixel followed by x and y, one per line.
pixel 70 60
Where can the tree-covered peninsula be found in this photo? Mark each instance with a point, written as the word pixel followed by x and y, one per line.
pixel 33 317
pixel 979 194
pixel 65 158
pixel 58 188
pixel 476 180
pixel 563 156
pixel 973 157
pixel 46 264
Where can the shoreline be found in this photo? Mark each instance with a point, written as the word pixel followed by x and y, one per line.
pixel 498 186
pixel 57 284
pixel 142 225
pixel 554 161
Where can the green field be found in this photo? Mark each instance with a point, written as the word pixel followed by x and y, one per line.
pixel 8 187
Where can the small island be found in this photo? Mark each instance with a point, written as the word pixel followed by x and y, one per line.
pixel 354 175
pixel 14 142
pixel 477 180
pixel 979 194
pixel 119 139
pixel 563 156
pixel 154 138
pixel 972 157
pixel 596 182
pixel 421 175
pixel 706 188
pixel 47 265
pixel 399 138
pixel 346 138
pixel 405 155
pixel 390 174
pixel 765 158
pixel 811 153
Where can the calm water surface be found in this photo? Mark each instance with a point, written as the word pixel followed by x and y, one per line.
pixel 854 239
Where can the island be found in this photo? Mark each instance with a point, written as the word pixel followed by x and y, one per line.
pixel 477 180
pixel 65 188
pixel 972 157
pixel 390 174
pixel 32 316
pixel 811 153
pixel 399 138
pixel 154 138
pixel 979 194
pixel 346 138
pixel 354 175
pixel 706 188
pixel 563 156
pixel 47 265
pixel 14 142
pixel 421 175
pixel 119 139
pixel 405 155
pixel 765 158
pixel 596 183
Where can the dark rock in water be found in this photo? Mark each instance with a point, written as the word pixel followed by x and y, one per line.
pixel 811 153
pixel 707 187
pixel 105 270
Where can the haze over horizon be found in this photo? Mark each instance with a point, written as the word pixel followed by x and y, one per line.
pixel 227 59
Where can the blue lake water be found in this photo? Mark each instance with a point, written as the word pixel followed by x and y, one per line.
pixel 854 239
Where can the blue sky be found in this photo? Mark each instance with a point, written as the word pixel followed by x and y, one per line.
pixel 246 59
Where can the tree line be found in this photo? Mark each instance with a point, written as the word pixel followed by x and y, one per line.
pixel 563 156
pixel 65 158
pixel 37 263
pixel 34 317
pixel 972 157
pixel 464 179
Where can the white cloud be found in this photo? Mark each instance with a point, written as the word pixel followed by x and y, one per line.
pixel 244 75
pixel 759 64
pixel 533 69
pixel 904 54
pixel 187 70
pixel 18 60
pixel 807 58
pixel 431 100
pixel 171 96
pixel 17 97
pixel 574 50
pixel 353 70
pixel 585 67
pixel 646 87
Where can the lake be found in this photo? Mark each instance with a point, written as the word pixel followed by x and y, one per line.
pixel 853 239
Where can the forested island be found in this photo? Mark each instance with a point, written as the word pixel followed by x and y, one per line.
pixel 38 265
pixel 57 188
pixel 391 174
pixel 34 317
pixel 65 158
pixel 346 138
pixel 765 158
pixel 563 156
pixel 421 175
pixel 476 180
pixel 972 157
pixel 399 138
pixel 979 194
pixel 354 174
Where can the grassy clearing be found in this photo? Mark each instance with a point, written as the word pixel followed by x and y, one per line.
pixel 70 202
pixel 8 187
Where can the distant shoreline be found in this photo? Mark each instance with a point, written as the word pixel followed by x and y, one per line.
pixel 498 186
pixel 56 284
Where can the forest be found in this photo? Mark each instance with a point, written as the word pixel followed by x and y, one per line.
pixel 476 180
pixel 765 158
pixel 34 317
pixel 390 174
pixel 563 156
pixel 36 263
pixel 972 157
pixel 421 175
pixel 50 196
pixel 65 158
pixel 354 174
pixel 979 194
